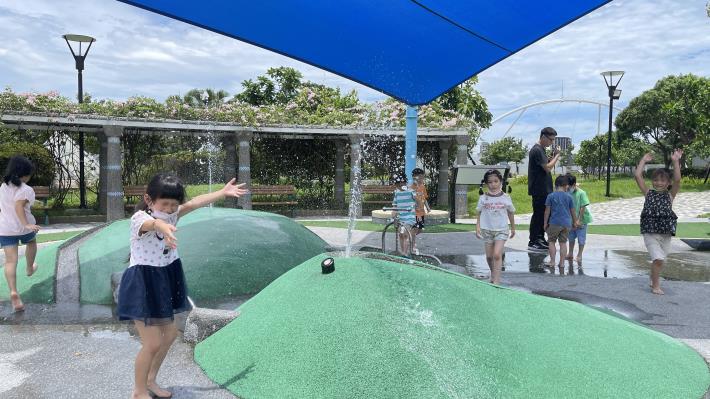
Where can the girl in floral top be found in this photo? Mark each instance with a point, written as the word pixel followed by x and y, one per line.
pixel 658 221
pixel 153 287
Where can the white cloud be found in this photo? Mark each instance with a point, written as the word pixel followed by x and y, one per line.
pixel 140 53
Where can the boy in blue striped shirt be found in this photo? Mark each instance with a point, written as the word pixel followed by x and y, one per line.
pixel 404 198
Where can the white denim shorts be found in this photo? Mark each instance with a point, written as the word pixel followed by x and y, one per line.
pixel 658 245
pixel 489 236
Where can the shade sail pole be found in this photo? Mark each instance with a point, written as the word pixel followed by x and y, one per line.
pixel 410 143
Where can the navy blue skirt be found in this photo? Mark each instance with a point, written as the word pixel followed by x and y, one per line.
pixel 152 294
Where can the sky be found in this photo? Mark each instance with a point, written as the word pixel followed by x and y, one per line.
pixel 141 53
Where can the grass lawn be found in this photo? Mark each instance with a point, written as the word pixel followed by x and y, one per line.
pixel 621 187
pixel 685 230
pixel 47 237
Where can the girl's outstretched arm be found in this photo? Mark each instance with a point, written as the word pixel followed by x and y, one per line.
pixel 638 174
pixel 231 189
pixel 675 157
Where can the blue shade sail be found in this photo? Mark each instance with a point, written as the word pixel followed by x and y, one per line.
pixel 411 50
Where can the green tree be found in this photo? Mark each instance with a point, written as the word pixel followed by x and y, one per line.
pixel 625 152
pixel 279 86
pixel 196 97
pixel 469 102
pixel 592 155
pixel 674 114
pixel 507 149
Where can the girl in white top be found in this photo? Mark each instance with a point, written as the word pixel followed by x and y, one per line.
pixel 153 287
pixel 495 210
pixel 17 225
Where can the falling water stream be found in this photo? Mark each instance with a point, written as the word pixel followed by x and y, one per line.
pixel 355 198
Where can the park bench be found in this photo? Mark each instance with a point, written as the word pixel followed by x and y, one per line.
pixel 275 196
pixel 380 191
pixel 42 194
pixel 133 195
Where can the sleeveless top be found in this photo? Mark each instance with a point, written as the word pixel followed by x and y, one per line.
pixel 657 216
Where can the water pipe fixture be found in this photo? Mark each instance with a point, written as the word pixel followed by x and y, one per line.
pixel 328 265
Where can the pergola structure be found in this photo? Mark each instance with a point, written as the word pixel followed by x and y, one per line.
pixel 236 140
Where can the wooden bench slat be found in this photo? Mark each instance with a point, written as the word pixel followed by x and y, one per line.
pixel 379 190
pixel 134 191
pixel 288 191
pixel 42 194
pixel 41 191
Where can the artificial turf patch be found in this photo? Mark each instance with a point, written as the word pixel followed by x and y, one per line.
pixel 225 252
pixel 378 329
pixel 40 287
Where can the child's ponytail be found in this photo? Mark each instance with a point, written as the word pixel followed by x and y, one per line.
pixel 17 167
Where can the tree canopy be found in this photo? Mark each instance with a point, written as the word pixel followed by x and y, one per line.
pixel 507 149
pixel 675 113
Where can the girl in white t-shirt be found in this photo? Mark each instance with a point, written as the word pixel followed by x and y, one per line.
pixel 153 287
pixel 17 225
pixel 495 211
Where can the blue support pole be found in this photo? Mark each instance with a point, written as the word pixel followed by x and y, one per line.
pixel 410 143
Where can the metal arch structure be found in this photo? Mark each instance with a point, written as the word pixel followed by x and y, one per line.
pixel 524 108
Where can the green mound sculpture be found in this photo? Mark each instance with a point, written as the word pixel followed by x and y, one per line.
pixel 225 252
pixel 40 287
pixel 379 329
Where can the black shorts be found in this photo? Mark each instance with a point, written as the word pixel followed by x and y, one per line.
pixel 419 224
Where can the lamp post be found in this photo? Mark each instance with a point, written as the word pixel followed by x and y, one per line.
pixel 612 79
pixel 79 58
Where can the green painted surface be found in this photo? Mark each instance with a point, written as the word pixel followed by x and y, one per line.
pixel 377 329
pixel 40 287
pixel 225 252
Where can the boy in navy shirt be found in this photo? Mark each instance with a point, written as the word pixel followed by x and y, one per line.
pixel 559 219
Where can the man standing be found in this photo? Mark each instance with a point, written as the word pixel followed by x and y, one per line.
pixel 540 185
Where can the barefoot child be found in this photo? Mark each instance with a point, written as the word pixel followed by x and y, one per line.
pixel 153 287
pixel 584 217
pixel 495 210
pixel 559 219
pixel 17 225
pixel 658 221
pixel 422 206
pixel 404 199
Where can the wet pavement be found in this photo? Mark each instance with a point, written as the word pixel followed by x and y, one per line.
pixel 85 361
pixel 691 266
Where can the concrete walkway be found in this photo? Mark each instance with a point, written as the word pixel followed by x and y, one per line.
pixel 628 211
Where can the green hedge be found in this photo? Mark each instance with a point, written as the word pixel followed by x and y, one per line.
pixel 40 157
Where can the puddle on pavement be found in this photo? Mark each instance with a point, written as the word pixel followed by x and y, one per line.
pixel 687 266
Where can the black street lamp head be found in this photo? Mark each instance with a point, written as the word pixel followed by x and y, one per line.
pixel 79 56
pixel 612 79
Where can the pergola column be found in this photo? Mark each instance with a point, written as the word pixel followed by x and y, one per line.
pixel 443 195
pixel 461 190
pixel 340 172
pixel 230 165
pixel 114 186
pixel 245 166
pixel 356 174
pixel 102 173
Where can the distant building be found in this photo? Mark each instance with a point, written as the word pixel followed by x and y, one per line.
pixel 483 147
pixel 563 142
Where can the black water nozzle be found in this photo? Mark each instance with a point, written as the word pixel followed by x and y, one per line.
pixel 328 265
